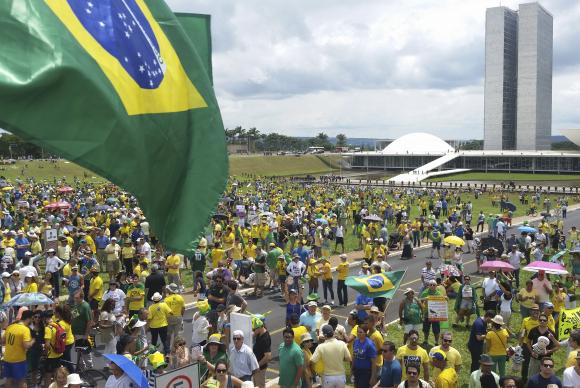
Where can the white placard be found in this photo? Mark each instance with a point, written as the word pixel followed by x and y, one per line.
pixel 241 322
pixel 50 235
pixel 185 377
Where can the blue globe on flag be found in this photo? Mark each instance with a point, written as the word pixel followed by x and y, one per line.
pixel 376 281
pixel 123 31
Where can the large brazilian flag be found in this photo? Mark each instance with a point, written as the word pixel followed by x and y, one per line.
pixel 377 285
pixel 118 86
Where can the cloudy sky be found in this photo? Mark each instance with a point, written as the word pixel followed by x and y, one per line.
pixel 373 68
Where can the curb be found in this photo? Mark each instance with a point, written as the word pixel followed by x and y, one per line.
pixel 358 263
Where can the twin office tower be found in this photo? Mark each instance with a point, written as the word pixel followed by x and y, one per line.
pixel 518 78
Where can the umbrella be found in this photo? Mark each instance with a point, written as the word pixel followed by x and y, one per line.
pixel 65 189
pixel 29 299
pixel 527 229
pixel 454 240
pixel 558 255
pixel 496 265
pixel 373 218
pixel 492 242
pixel 321 221
pixel 509 206
pixel 130 369
pixel 220 216
pixel 112 200
pixel 102 208
pixel 266 214
pixel 552 268
pixel 58 205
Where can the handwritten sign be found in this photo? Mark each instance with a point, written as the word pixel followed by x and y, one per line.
pixel 569 320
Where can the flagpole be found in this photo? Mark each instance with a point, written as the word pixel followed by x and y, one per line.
pixel 390 300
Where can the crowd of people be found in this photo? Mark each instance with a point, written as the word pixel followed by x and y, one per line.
pixel 113 288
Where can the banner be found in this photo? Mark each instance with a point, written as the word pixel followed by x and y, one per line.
pixel 437 309
pixel 241 322
pixel 568 321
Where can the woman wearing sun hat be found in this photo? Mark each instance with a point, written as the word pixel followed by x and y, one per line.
pixel 496 344
pixel 158 321
pixel 213 352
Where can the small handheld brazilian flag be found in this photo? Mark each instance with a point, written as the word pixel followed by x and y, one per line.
pixel 377 285
pixel 118 87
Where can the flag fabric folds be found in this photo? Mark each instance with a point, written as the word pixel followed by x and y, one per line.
pixel 118 87
pixel 377 285
pixel 198 28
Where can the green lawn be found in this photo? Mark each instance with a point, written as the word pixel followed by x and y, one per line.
pixel 504 177
pixel 275 165
pixel 43 170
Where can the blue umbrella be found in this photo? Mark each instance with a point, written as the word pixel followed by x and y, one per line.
pixel 321 221
pixel 29 299
pixel 527 229
pixel 130 369
pixel 102 208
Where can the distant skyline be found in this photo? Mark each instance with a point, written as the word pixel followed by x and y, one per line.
pixel 368 69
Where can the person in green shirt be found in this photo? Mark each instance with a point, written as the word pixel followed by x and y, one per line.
pixel 292 358
pixel 81 324
pixel 431 290
pixel 271 261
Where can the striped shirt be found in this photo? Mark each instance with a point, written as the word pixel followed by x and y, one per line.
pixel 428 274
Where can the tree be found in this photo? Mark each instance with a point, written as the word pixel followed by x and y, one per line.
pixel 321 140
pixel 341 140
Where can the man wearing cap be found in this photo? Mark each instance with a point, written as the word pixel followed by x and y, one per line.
pixel 262 350
pixel 53 265
pixel 484 375
pixel 73 281
pixel 177 305
pixel 410 313
pixel 334 354
pixel 115 293
pixel 158 321
pixel 243 362
pixel 128 252
pixel 135 295
pixel 310 318
pixel 447 378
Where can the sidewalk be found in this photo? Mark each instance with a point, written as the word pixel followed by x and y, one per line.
pixel 355 258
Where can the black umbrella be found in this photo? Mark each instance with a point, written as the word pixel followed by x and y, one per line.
pixel 492 242
pixel 220 217
pixel 509 206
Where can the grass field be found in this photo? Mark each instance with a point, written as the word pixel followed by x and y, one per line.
pixel 504 177
pixel 282 165
pixel 43 170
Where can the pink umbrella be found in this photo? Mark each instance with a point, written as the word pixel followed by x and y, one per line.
pixel 58 205
pixel 496 265
pixel 548 267
pixel 65 189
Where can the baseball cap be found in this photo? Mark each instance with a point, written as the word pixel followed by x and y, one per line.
pixel 312 304
pixel 438 355
pixel 327 331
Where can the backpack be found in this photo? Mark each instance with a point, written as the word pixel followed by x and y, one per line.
pixel 59 345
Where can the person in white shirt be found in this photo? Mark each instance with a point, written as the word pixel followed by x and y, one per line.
pixel 490 287
pixel 296 269
pixel 119 378
pixel 144 248
pixel 515 257
pixel 243 362
pixel 572 375
pixel 145 226
pixel 26 267
pixel 117 295
pixel 543 289
pixel 53 265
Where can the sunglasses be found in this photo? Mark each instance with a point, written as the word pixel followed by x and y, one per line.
pixel 221 371
pixel 237 338
pixel 447 340
pixel 543 320
pixel 548 365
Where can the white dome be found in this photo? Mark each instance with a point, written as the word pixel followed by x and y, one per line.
pixel 418 143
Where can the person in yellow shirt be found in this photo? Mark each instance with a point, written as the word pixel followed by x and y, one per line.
pixel 135 296
pixel 91 243
pixel 217 254
pixel 250 250
pixel 448 376
pixel 228 238
pixel 159 313
pixel 63 317
pixel 96 291
pixel 177 306
pixel 53 359
pixel 341 289
pixel 574 344
pixel 35 246
pixel 17 341
pixel 7 290
pixel 281 273
pixel 30 284
pixel 326 271
pixel 172 264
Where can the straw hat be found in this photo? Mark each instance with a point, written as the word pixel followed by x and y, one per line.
pixel 498 319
